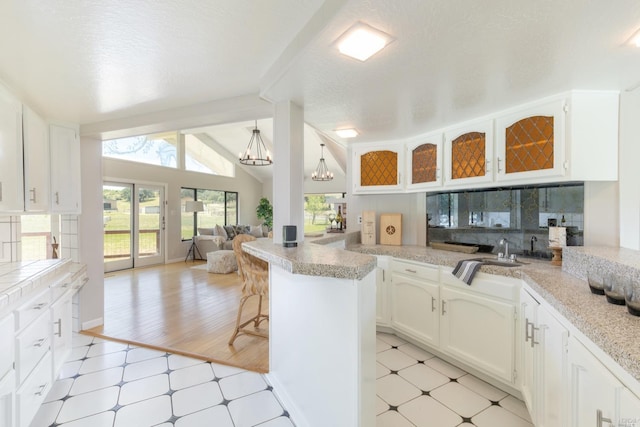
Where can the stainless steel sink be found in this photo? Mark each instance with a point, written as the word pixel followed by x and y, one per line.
pixel 499 262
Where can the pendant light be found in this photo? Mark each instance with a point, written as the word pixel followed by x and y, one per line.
pixel 257 155
pixel 322 172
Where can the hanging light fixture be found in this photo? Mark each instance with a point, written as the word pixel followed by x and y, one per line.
pixel 322 172
pixel 257 155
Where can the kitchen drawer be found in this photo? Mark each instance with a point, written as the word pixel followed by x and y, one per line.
pixel 507 288
pixel 62 285
pixel 32 344
pixel 29 311
pixel 32 393
pixel 6 338
pixel 416 269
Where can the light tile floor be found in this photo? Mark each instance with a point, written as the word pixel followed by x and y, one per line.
pixel 109 384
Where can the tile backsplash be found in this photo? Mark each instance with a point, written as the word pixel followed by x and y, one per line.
pixel 9 238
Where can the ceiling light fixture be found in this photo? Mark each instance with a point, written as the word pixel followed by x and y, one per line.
pixel 322 172
pixel 362 41
pixel 346 133
pixel 258 155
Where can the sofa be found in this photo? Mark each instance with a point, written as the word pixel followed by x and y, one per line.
pixel 221 237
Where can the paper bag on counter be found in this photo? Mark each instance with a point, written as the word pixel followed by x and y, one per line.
pixel 391 229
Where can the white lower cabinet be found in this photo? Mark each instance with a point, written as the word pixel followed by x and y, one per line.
pixel 61 318
pixel 7 399
pixel 598 398
pixel 479 331
pixel 32 392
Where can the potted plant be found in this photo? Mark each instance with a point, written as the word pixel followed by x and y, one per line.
pixel 264 211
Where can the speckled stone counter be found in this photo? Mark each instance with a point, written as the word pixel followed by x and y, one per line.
pixel 609 326
pixel 313 259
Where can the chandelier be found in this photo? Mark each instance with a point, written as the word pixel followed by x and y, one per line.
pixel 322 172
pixel 256 153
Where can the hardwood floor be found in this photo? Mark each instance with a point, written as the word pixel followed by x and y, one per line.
pixel 188 311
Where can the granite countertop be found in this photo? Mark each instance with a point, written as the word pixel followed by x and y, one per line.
pixel 609 326
pixel 313 259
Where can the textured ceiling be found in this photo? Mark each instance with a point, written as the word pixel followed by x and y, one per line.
pixel 110 64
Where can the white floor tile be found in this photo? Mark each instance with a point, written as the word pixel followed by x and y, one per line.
pixel 86 404
pixel 395 359
pixel 222 371
pixel 392 419
pixel 516 406
pixel 196 398
pixel 177 361
pixel 242 384
pixel 217 416
pixel 187 377
pixel 381 370
pixel 482 388
pixel 103 362
pixel 254 409
pixel 391 339
pixel 444 368
pixel 145 368
pixel 78 353
pixel 278 422
pixel 59 389
pixel 426 412
pixel 424 377
pixel 381 345
pixel 96 381
pixel 47 413
pixel 495 416
pixel 103 419
pixel 152 411
pixel 79 340
pixel 415 352
pixel 381 406
pixel 139 354
pixel 106 348
pixel 70 369
pixel 460 399
pixel 395 390
pixel 142 389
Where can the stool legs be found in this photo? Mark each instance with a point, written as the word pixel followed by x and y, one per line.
pixel 240 327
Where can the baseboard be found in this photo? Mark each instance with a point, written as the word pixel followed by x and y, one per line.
pixel 93 323
pixel 285 400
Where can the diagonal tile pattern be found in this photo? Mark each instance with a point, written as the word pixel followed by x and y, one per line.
pixel 117 385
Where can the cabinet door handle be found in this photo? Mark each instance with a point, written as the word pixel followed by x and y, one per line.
pixel 39 306
pixel 600 419
pixel 33 191
pixel 486 166
pixel 499 169
pixel 59 323
pixel 57 198
pixel 443 307
pixel 433 304
pixel 408 270
pixel 527 336
pixel 383 279
pixel 533 335
pixel 0 191
pixel 41 389
pixel 39 342
pixel 437 174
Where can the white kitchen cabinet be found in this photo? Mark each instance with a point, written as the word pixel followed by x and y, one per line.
pixel 468 154
pixel 598 398
pixel 383 278
pixel 7 399
pixel 33 391
pixel 65 169
pixel 423 162
pixel 377 168
pixel 530 142
pixel 528 351
pixel 36 161
pixel 11 164
pixel 414 303
pixel 479 331
pixel 61 318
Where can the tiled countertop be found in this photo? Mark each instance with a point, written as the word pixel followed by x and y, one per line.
pixel 609 326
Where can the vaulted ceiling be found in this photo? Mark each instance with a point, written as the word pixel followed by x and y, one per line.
pixel 131 65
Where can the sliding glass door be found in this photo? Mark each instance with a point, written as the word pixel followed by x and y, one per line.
pixel 134 222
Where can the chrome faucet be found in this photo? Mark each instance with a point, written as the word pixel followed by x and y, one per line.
pixel 505 242
pixel 533 239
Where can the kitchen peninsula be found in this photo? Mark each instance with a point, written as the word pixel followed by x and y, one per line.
pixel 596 341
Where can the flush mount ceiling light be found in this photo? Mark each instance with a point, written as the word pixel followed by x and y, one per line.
pixel 256 153
pixel 346 133
pixel 322 172
pixel 361 41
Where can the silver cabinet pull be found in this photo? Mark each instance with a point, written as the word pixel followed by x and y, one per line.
pixel 499 160
pixel 59 323
pixel 437 174
pixel 41 389
pixel 600 419
pixel 0 191
pixel 443 307
pixel 39 306
pixel 33 192
pixel 57 198
pixel 486 166
pixel 39 342
pixel 433 304
pixel 410 271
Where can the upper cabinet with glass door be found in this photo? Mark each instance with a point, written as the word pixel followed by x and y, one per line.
pixel 468 154
pixel 530 143
pixel 376 168
pixel 424 162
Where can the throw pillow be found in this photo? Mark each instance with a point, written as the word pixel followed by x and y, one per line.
pixel 205 231
pixel 231 231
pixel 241 229
pixel 255 230
pixel 220 231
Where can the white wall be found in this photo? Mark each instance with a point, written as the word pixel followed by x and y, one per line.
pixel 629 172
pixel 249 190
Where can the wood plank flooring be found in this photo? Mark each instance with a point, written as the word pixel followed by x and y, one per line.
pixel 188 311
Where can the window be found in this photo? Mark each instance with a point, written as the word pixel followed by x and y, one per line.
pixel 201 156
pixel 36 237
pixel 320 210
pixel 220 208
pixel 158 149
